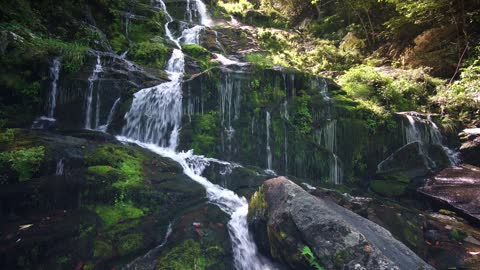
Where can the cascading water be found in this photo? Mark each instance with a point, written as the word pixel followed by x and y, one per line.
pixel 59 169
pixel 326 137
pixel 91 85
pixel 426 133
pixel 52 97
pixel 55 74
pixel 268 149
pixel 110 116
pixel 154 121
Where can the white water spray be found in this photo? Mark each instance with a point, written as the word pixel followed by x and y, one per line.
pixel 91 83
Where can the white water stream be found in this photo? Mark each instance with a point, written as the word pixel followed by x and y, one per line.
pixel 154 122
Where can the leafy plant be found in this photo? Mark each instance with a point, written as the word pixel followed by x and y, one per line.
pixel 311 258
pixel 25 162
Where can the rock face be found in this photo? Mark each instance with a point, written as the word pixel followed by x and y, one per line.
pixel 470 148
pixel 306 232
pixel 458 187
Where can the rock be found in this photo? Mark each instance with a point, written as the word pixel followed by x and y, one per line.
pixel 458 188
pixel 470 149
pixel 306 232
pixel 410 160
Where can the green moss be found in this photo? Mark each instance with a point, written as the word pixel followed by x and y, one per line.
pixel 150 53
pixel 388 188
pixel 457 235
pixel 129 243
pixel 311 258
pixel 127 163
pixel 186 256
pixel 200 54
pixel 25 162
pixel 113 214
pixel 261 60
pixel 257 204
pixel 102 249
pixel 204 140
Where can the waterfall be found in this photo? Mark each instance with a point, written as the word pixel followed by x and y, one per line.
pixel 156 112
pixel 91 83
pixel 285 127
pixel 154 121
pixel 326 137
pixel 59 169
pixel 426 132
pixel 110 116
pixel 52 98
pixel 269 150
pixel 203 13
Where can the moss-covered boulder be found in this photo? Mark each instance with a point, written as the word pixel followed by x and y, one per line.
pixel 306 232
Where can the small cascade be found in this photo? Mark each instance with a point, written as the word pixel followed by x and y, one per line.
pixel 326 137
pixel 91 85
pixel 52 97
pixel 191 35
pixel 149 260
pixel 189 12
pixel 59 169
pixel 426 132
pixel 230 99
pixel 104 128
pixel 267 143
pixel 201 9
pixel 285 116
pixel 155 115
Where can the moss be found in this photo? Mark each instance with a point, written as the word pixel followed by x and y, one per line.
pixel 188 255
pixel 130 243
pixel 200 54
pixel 341 257
pixel 204 140
pixel 388 188
pixel 457 235
pixel 102 249
pixel 260 60
pixel 113 214
pixel 150 53
pixel 258 204
pixel 128 165
pixel 25 162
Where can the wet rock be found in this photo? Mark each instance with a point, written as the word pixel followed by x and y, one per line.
pixel 304 231
pixel 457 188
pixel 470 149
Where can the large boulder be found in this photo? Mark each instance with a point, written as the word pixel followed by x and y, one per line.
pixel 306 232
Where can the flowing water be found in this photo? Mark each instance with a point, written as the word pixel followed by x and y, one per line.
pixel 52 97
pixel 154 121
pixel 425 131
pixel 110 116
pixel 91 85
pixel 327 138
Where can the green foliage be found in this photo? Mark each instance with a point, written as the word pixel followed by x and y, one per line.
pixel 240 8
pixel 389 188
pixel 302 118
pixel 7 137
pixel 397 94
pixel 25 162
pixel 102 249
pixel 457 235
pixel 204 140
pixel 129 243
pixel 200 54
pixel 113 214
pixel 311 258
pixel 261 60
pixel 150 53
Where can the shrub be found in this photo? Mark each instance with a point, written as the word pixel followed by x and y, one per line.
pixel 25 162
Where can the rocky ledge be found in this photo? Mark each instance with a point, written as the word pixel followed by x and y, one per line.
pixel 306 232
pixel 457 187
